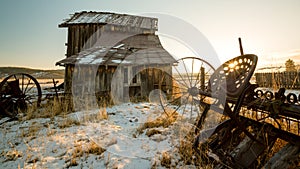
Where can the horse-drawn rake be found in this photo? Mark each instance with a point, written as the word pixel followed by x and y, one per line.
pixel 237 124
pixel 20 92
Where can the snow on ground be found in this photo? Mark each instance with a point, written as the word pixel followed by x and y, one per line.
pixel 90 139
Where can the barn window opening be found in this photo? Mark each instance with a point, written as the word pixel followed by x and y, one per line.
pixel 134 74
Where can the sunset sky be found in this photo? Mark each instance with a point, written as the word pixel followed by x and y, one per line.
pixel 30 36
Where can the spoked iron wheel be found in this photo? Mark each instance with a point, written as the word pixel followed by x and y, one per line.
pixel 190 75
pixel 18 92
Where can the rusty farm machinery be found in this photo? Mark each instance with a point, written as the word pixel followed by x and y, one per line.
pixel 236 123
pixel 20 91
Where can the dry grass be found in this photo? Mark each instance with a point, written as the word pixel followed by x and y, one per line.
pixel 31 131
pixel 166 160
pixel 162 121
pixel 94 148
pixel 152 132
pixel 96 117
pixel 189 155
pixel 279 144
pixel 84 149
pixel 12 155
pixel 68 122
pixel 50 109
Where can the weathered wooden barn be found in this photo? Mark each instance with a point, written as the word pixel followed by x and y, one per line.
pixel 115 55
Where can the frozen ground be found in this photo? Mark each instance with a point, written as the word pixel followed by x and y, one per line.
pixel 105 138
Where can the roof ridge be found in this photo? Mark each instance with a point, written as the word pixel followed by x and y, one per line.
pixel 118 19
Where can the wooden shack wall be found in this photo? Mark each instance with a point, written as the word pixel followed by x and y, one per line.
pixel 86 35
pixel 289 80
pixel 150 78
pixel 79 36
pixel 156 77
pixel 87 75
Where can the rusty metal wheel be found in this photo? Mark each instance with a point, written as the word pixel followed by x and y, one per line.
pixel 18 92
pixel 189 76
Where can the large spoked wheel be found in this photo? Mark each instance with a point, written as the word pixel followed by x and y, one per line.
pixel 190 75
pixel 19 92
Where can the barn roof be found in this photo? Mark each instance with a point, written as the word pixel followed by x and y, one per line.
pixel 112 19
pixel 136 50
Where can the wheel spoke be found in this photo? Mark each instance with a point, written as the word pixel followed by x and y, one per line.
pixel 174 100
pixel 29 101
pixel 29 89
pixel 22 88
pixel 186 85
pixel 185 82
pixel 27 86
pixel 26 91
pixel 187 74
pixel 180 88
pixel 179 93
pixel 179 83
pixel 198 75
pixel 191 110
pixel 183 112
pixel 192 72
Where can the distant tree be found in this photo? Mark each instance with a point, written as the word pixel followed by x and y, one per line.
pixel 290 65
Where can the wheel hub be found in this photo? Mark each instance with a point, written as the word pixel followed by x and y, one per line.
pixel 193 91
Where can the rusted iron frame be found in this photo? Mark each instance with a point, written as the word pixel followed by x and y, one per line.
pixel 290 112
pixel 284 135
pixel 286 110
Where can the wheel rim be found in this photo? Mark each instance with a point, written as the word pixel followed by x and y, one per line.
pixel 189 76
pixel 22 90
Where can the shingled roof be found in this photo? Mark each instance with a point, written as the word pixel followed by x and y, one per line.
pixel 111 18
pixel 136 50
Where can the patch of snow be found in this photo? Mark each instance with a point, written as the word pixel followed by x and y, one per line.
pixel 97 61
pixel 102 50
pixel 86 59
pixel 118 46
pixel 47 143
pixel 121 61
